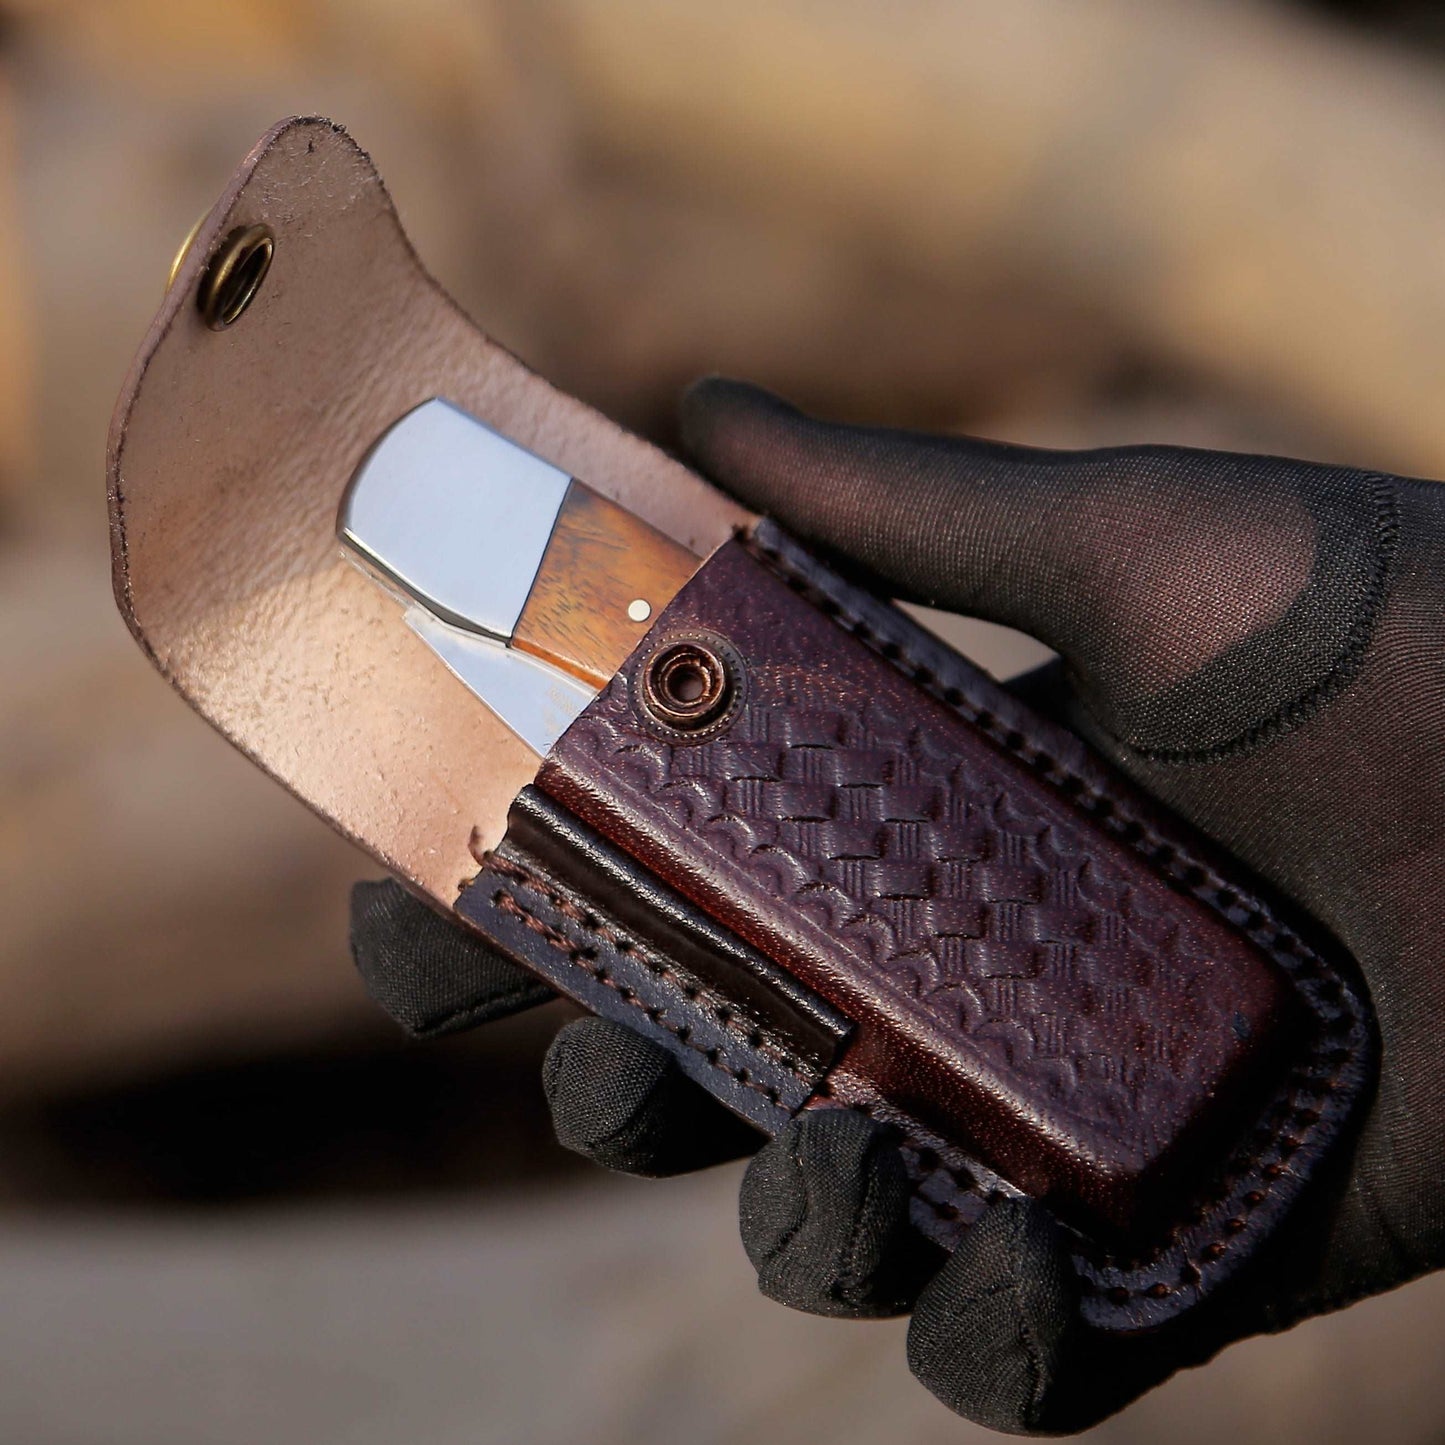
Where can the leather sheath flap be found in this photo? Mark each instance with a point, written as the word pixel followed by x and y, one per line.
pixel 228 455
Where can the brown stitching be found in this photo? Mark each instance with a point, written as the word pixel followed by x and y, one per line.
pixel 1207 1252
pixel 966 1186
pixel 1193 876
pixel 929 1164
pixel 1167 858
pixel 740 1026
pixel 508 904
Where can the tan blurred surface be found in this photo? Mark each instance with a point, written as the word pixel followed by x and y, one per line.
pixel 622 1312
pixel 1067 223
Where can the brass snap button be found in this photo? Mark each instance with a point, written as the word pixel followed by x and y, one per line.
pixel 234 275
pixel 690 683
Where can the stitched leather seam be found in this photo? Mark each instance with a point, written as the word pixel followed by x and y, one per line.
pixel 590 924
pixel 961 1185
pixel 1291 954
pixel 508 903
pixel 1305 1083
pixel 1013 742
pixel 961 1181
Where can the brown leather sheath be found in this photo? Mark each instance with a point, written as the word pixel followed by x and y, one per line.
pixel 865 877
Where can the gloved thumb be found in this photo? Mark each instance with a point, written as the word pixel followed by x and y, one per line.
pixel 1199 598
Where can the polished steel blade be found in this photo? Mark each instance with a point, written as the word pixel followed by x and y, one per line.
pixel 454 518
pixel 535 700
pixel 454 515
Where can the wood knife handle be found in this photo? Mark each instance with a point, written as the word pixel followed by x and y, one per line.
pixel 604 578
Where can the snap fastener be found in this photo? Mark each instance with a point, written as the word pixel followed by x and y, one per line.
pixel 234 275
pixel 690 683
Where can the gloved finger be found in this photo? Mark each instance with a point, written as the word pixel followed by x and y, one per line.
pixel 996 1335
pixel 824 1215
pixel 430 975
pixel 621 1101
pixel 1201 599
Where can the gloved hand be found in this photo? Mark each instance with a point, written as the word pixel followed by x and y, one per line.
pixel 1258 642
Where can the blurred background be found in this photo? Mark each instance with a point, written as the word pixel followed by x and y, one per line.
pixel 233 1206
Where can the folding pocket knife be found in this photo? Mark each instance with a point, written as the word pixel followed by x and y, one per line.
pixel 527 584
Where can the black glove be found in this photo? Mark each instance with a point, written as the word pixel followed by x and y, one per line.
pixel 1259 643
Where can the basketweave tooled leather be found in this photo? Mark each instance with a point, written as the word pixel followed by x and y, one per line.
pixel 1045 977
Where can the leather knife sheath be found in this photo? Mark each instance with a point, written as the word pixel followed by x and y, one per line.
pixel 840 868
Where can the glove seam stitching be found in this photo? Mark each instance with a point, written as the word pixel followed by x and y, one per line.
pixel 794 1228
pixel 1031 1353
pixel 853 1273
pixel 481 1011
pixel 1342 670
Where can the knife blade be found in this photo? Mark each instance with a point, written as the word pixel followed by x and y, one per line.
pixel 526 583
